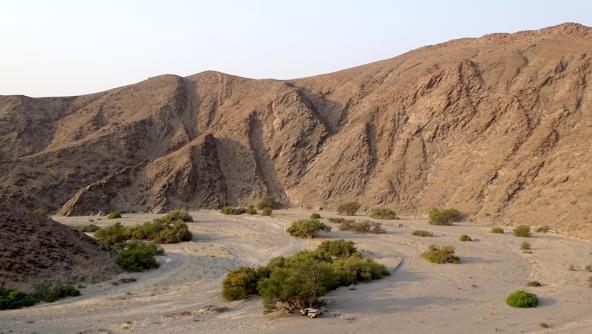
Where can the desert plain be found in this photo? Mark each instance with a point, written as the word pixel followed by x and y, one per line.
pixel 184 294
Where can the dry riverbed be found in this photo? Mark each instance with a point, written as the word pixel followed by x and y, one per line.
pixel 184 294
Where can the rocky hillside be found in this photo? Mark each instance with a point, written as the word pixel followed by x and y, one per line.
pixel 37 249
pixel 498 126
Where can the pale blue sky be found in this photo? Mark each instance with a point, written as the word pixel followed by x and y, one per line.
pixel 60 47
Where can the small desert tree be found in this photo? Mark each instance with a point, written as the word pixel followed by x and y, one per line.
pixel 268 202
pixel 297 285
pixel 349 208
pixel 444 216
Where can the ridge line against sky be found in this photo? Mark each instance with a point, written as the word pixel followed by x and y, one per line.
pixel 67 47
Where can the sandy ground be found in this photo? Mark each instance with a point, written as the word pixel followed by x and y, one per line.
pixel 419 297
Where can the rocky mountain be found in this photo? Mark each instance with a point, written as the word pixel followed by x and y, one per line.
pixel 498 126
pixel 37 249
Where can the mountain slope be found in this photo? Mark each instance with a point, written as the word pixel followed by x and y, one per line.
pixel 37 249
pixel 498 126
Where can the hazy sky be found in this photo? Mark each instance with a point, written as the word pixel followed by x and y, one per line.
pixel 59 47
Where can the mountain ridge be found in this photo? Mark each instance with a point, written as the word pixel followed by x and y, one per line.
pixel 491 125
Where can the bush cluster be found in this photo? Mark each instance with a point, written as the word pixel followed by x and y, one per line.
pixel 497 230
pixel 177 215
pixel 114 215
pixel 382 213
pixel 338 248
pixel 361 227
pixel 11 299
pixel 298 281
pixel 266 212
pixel 422 233
pixel 269 202
pixel 50 292
pixel 465 237
pixel 444 216
pixel 522 231
pixel 47 292
pixel 138 256
pixel 315 216
pixel 228 210
pixel 251 210
pixel 348 208
pixel 171 228
pixel 522 299
pixel 440 254
pixel 307 228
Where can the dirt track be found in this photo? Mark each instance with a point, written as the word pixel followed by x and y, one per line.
pixel 418 297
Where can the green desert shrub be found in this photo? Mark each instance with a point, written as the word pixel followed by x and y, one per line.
pixel 112 234
pixel 162 231
pixel 114 215
pixel 522 231
pixel 251 210
pixel 178 215
pixel 41 212
pixel 50 292
pixel 497 229
pixel 440 254
pixel 239 284
pixel 12 299
pixel 361 227
pixel 270 202
pixel 298 281
pixel 522 299
pixel 315 216
pixel 90 228
pixel 525 245
pixel 307 228
pixel 266 212
pixel 422 233
pixel 348 208
pixel 358 268
pixel 444 216
pixel 465 237
pixel 227 210
pixel 382 213
pixel 338 248
pixel 138 256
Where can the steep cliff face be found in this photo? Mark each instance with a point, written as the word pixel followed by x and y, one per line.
pixel 498 126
